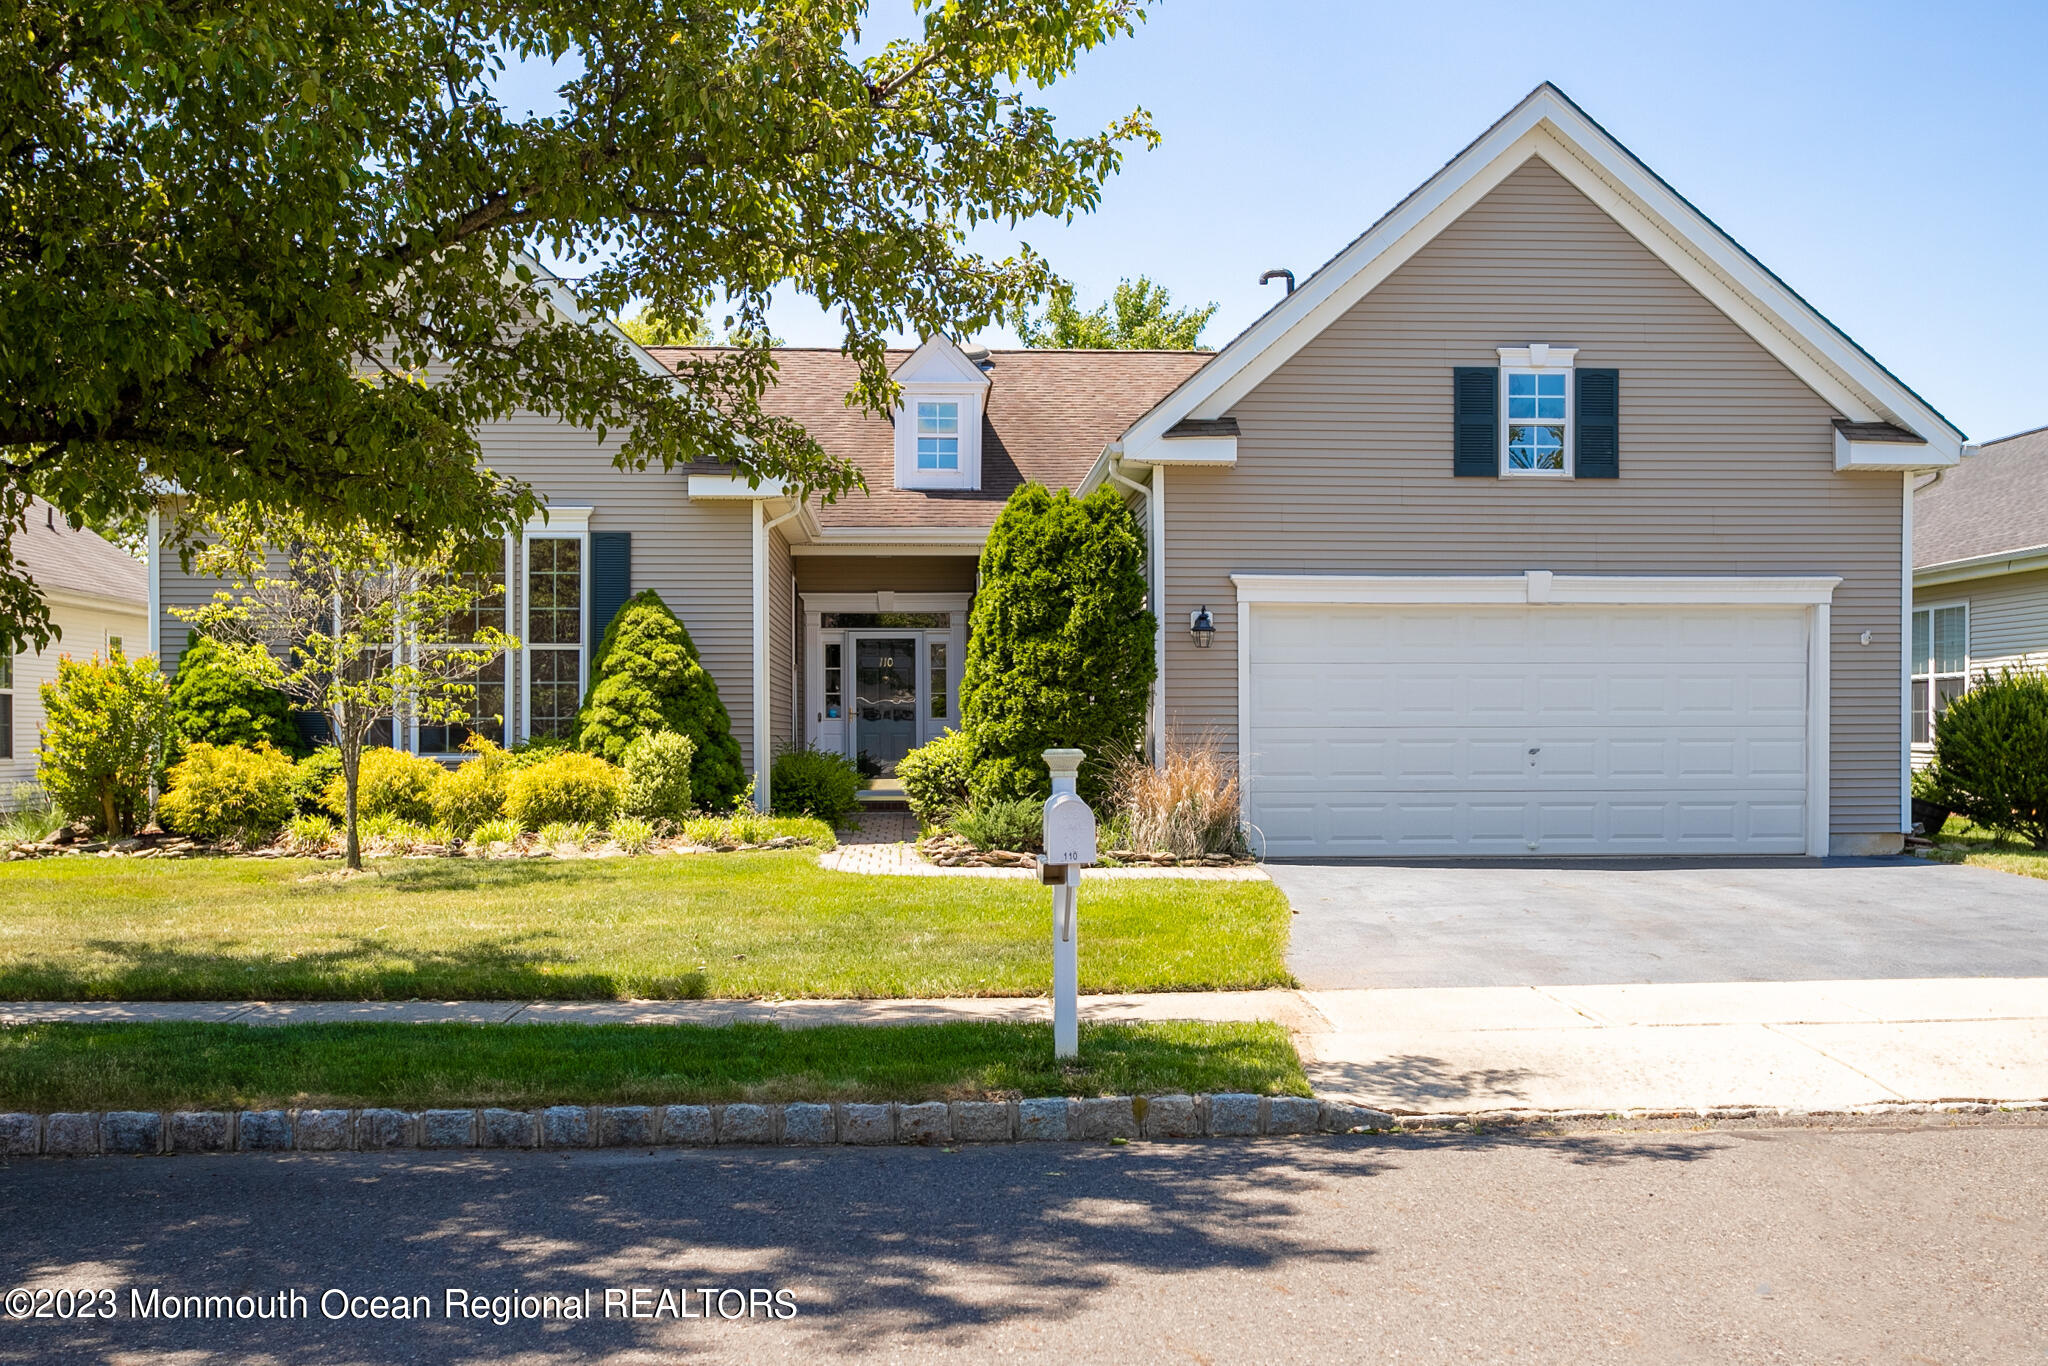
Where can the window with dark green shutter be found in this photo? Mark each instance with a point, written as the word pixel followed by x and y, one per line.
pixel 1475 404
pixel 1597 438
pixel 611 577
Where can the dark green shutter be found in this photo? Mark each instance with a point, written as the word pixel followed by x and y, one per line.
pixel 1596 439
pixel 1475 404
pixel 611 578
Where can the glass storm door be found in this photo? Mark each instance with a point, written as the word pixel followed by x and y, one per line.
pixel 885 698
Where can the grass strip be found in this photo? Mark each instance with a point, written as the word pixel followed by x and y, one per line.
pixel 1963 841
pixel 662 927
pixel 52 1067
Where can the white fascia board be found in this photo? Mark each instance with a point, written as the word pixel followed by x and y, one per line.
pixel 1098 473
pixel 893 550
pixel 1182 450
pixel 2024 561
pixel 563 299
pixel 560 519
pixel 898 602
pixel 1547 125
pixel 1890 455
pixel 735 488
pixel 938 361
pixel 1536 586
pixel 97 602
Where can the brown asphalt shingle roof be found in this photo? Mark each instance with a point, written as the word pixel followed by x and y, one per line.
pixel 58 558
pixel 1049 415
pixel 1995 501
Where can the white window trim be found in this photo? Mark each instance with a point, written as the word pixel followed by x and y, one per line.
pixel 1539 586
pixel 413 723
pixel 1912 666
pixel 966 393
pixel 1538 358
pixel 814 607
pixel 563 524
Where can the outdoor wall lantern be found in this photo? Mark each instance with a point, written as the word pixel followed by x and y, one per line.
pixel 1202 627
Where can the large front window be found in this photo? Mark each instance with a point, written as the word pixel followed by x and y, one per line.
pixel 6 705
pixel 938 436
pixel 1941 664
pixel 486 611
pixel 1537 422
pixel 554 634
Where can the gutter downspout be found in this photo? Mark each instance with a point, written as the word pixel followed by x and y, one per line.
pixel 1155 568
pixel 763 728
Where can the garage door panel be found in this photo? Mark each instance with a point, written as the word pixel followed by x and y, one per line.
pixel 1410 729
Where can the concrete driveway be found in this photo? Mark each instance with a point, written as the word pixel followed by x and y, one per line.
pixel 1585 922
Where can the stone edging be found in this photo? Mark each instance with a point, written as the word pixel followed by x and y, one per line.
pixel 1488 1119
pixel 558 1127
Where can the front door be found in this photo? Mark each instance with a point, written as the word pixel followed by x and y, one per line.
pixel 885 676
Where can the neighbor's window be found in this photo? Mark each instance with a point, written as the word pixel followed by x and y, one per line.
pixel 938 436
pixel 487 610
pixel 113 646
pixel 6 706
pixel 1537 422
pixel 834 697
pixel 937 650
pixel 554 634
pixel 1941 660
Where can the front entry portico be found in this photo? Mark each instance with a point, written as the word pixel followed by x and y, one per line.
pixel 882 671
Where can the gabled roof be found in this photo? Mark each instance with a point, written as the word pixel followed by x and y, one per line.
pixel 1549 126
pixel 62 560
pixel 1993 504
pixel 1047 416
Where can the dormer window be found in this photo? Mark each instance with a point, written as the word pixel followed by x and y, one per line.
pixel 938 426
pixel 938 436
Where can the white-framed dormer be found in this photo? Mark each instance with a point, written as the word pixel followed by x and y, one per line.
pixel 938 421
pixel 1536 411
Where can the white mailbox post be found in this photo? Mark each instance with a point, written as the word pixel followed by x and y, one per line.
pixel 1069 846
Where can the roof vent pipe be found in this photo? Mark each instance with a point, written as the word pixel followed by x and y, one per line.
pixel 1286 275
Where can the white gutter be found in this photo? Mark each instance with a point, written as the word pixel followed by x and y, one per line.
pixel 2020 561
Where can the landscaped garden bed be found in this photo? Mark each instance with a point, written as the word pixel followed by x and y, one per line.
pixel 74 1067
pixel 742 925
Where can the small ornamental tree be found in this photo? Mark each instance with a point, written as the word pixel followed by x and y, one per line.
pixel 646 678
pixel 1059 650
pixel 1991 756
pixel 106 728
pixel 346 623
pixel 213 702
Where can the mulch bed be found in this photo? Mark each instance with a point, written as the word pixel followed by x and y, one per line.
pixel 951 851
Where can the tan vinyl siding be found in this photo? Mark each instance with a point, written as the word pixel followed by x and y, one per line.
pixel 1344 463
pixel 85 629
pixel 2008 618
pixel 782 634
pixel 876 573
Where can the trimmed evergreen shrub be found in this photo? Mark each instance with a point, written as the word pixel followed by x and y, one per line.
pixel 806 781
pixel 106 727
pixel 474 791
pixel 214 702
pixel 1013 824
pixel 657 770
pixel 229 792
pixel 392 783
pixel 935 776
pixel 645 678
pixel 312 777
pixel 565 789
pixel 1991 756
pixel 1059 648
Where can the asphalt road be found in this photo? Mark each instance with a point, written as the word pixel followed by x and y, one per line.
pixel 1864 1244
pixel 1582 922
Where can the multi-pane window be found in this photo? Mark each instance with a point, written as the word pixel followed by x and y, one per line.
pixel 938 436
pixel 486 611
pixel 554 634
pixel 936 651
pixel 1941 664
pixel 835 696
pixel 6 705
pixel 1537 421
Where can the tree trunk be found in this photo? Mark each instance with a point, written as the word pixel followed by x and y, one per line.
pixel 107 811
pixel 351 765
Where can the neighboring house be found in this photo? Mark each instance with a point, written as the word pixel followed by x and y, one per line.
pixel 1980 575
pixel 1542 520
pixel 99 600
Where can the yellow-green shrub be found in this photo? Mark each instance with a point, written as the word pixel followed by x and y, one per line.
pixel 227 792
pixel 474 792
pixel 389 783
pixel 567 787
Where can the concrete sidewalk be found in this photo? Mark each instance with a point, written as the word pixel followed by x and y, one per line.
pixel 1451 1050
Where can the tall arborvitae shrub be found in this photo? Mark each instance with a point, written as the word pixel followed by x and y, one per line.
pixel 1991 756
pixel 215 702
pixel 646 678
pixel 1059 651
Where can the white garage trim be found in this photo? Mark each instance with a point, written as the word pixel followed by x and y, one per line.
pixel 1815 593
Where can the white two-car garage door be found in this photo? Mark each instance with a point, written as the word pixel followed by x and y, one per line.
pixel 1510 729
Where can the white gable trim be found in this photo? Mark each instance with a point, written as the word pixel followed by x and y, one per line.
pixel 1548 126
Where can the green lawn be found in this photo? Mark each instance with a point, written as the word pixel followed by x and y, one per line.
pixel 762 924
pixel 1962 841
pixel 226 1066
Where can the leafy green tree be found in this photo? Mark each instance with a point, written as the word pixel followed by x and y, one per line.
pixel 349 623
pixel 213 701
pixel 1138 316
pixel 106 731
pixel 1059 646
pixel 238 235
pixel 645 678
pixel 650 329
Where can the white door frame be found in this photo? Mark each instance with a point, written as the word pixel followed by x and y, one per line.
pixel 1539 586
pixel 815 605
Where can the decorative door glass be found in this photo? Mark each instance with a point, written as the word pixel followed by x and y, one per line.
pixel 885 699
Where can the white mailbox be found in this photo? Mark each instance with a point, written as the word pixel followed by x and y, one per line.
pixel 1069 830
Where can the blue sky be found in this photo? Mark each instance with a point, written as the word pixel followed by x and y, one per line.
pixel 1889 161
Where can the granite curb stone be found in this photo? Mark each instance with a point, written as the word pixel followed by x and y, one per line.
pixel 1042 1120
pixel 805 1122
pixel 201 1131
pixel 20 1135
pixel 321 1131
pixel 867 1124
pixel 565 1126
pixel 628 1126
pixel 981 1121
pixel 264 1131
pixel 72 1135
pixel 379 1129
pixel 689 1124
pixel 928 1122
pixel 507 1129
pixel 132 1131
pixel 746 1123
pixel 447 1128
